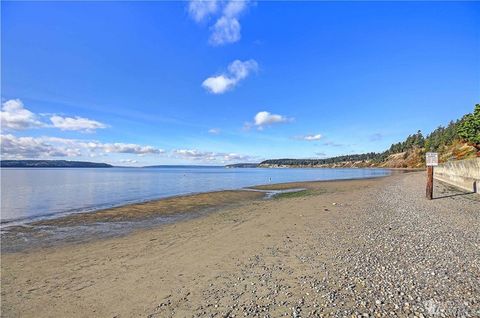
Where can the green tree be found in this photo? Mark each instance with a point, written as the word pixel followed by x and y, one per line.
pixel 419 139
pixel 428 144
pixel 469 127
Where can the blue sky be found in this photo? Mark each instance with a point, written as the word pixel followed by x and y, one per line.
pixel 139 83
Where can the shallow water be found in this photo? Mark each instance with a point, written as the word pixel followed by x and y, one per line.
pixel 48 192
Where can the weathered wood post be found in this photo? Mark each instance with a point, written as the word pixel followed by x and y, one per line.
pixel 431 159
pixel 429 182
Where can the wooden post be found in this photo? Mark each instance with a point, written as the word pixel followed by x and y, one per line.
pixel 430 182
pixel 431 160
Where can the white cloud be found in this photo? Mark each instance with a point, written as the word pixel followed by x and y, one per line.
pixel 237 71
pixel 310 137
pixel 14 116
pixel 202 9
pixel 333 144
pixel 214 131
pixel 47 147
pixel 236 157
pixel 195 154
pixel 209 156
pixel 77 123
pixel 218 84
pixel 240 70
pixel 130 148
pixel 227 26
pixel 129 161
pixel 30 147
pixel 225 30
pixel 265 118
pixel 13 147
pixel 234 8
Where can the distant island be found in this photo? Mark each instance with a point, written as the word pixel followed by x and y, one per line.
pixel 242 165
pixel 51 164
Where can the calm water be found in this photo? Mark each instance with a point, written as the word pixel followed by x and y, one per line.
pixel 40 192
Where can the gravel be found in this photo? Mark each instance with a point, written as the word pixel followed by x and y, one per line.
pixel 399 256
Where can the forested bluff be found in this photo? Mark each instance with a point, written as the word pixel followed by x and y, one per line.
pixel 460 139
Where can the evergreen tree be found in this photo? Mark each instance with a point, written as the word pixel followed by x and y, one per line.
pixel 469 127
pixel 419 140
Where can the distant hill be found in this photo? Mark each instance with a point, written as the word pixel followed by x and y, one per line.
pixel 180 166
pixel 319 162
pixel 51 164
pixel 242 165
pixel 458 140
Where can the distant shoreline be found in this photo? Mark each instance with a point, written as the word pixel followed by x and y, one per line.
pixel 267 164
pixel 51 164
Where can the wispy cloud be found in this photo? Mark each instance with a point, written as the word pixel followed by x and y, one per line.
pixel 227 28
pixel 199 10
pixel 332 144
pixel 48 147
pixel 376 137
pixel 195 154
pixel 210 156
pixel 214 131
pixel 237 71
pixel 128 161
pixel 129 148
pixel 315 137
pixel 76 123
pixel 14 116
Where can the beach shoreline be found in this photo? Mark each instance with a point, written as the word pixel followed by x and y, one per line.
pixel 123 219
pixel 332 250
pixel 80 208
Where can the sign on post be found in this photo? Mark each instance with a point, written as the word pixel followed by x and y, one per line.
pixel 431 159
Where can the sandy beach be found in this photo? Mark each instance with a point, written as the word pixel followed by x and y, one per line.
pixel 368 248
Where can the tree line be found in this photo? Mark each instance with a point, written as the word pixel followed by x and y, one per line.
pixel 466 129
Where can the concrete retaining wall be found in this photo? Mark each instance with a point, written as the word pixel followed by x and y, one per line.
pixel 464 174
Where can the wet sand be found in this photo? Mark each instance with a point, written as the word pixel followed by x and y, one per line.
pixel 82 227
pixel 252 258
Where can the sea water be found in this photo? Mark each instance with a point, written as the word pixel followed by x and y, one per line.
pixel 29 193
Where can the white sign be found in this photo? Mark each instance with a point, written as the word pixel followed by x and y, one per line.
pixel 431 158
